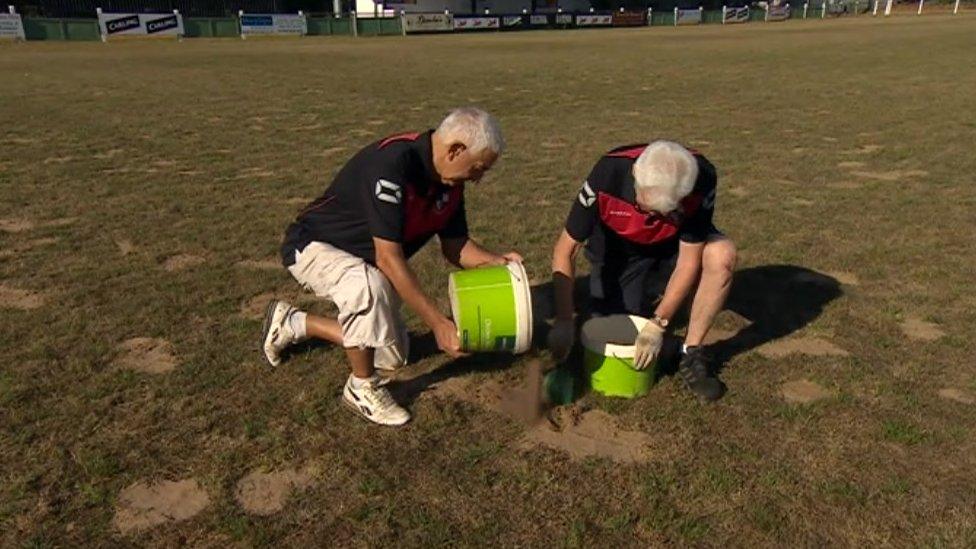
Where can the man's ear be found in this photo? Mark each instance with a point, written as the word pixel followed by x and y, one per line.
pixel 455 150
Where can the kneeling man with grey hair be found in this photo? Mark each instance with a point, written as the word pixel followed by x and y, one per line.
pixel 351 246
pixel 645 213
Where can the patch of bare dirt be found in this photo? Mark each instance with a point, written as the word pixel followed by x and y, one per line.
pixel 866 149
pixel 29 245
pixel 810 346
pixel 125 246
pixel 15 225
pixel 60 222
pixel 143 505
pixel 579 433
pixel 181 262
pixel 59 159
pixel 248 173
pixel 957 395
pixel 921 330
pixel 16 298
pixel 261 493
pixel 332 150
pixel 845 185
pixel 715 335
pixel 19 140
pixel 592 433
pixel 110 153
pixel 146 354
pixel 845 278
pixel 260 264
pixel 890 176
pixel 851 164
pixel 254 307
pixel 803 392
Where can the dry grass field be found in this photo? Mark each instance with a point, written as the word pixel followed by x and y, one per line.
pixel 145 186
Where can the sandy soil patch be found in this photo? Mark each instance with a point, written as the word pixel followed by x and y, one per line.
pixel 182 262
pixel 957 395
pixel 921 330
pixel 17 298
pixel 146 354
pixel 261 493
pixel 143 505
pixel 803 392
pixel 810 346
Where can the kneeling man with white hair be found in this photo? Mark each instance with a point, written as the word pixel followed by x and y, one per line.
pixel 645 213
pixel 351 246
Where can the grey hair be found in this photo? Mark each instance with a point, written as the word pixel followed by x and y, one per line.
pixel 473 127
pixel 664 174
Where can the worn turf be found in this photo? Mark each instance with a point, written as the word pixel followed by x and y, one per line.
pixel 145 187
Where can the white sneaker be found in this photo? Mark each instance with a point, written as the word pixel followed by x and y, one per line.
pixel 277 334
pixel 374 402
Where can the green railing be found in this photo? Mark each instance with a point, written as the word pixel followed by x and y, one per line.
pixel 327 26
pixel 662 18
pixel 211 27
pixel 378 27
pixel 60 29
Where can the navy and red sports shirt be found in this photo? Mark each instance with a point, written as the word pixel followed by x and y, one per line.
pixel 388 190
pixel 605 216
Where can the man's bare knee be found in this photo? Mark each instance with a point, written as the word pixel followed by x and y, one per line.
pixel 719 257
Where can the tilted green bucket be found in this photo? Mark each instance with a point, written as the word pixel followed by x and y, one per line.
pixel 608 354
pixel 492 308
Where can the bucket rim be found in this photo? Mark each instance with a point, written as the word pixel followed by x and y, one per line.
pixel 523 306
pixel 604 348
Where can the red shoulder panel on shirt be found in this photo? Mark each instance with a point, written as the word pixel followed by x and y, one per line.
pixel 399 137
pixel 633 151
pixel 628 151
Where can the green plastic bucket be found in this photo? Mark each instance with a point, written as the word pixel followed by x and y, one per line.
pixel 492 308
pixel 608 355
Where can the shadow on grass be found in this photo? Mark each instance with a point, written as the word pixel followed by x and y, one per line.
pixel 778 300
pixel 405 391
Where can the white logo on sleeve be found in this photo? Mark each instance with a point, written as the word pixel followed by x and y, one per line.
pixel 442 201
pixel 388 191
pixel 709 202
pixel 586 195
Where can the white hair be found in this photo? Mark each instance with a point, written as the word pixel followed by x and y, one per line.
pixel 664 174
pixel 473 127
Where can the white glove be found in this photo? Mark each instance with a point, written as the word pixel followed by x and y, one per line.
pixel 648 345
pixel 561 338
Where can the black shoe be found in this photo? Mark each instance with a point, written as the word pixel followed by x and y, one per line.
pixel 698 377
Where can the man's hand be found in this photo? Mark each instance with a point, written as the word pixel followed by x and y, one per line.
pixel 648 345
pixel 445 333
pixel 561 339
pixel 503 259
pixel 468 254
pixel 513 257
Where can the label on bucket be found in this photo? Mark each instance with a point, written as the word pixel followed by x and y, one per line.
pixel 505 343
pixel 485 313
